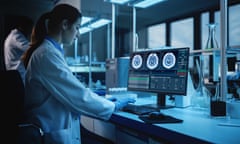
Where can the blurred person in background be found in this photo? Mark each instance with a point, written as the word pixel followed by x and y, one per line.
pixel 16 43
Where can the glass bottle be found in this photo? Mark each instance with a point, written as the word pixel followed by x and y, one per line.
pixel 211 41
pixel 217 93
pixel 201 94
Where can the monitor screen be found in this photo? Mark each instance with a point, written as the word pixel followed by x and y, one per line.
pixel 162 71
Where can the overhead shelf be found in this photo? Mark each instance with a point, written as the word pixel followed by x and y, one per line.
pixel 203 51
pixel 231 51
pixel 234 49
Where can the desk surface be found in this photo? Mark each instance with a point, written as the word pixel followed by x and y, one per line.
pixel 197 127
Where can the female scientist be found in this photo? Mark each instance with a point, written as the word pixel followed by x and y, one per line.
pixel 55 98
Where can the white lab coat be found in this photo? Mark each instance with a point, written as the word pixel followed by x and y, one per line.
pixel 14 46
pixel 55 98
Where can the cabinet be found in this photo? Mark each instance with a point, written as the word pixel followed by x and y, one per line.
pixel 117 133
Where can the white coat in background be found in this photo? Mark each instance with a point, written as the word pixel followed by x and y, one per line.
pixel 14 46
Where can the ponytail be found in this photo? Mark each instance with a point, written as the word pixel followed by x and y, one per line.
pixel 38 34
pixel 49 22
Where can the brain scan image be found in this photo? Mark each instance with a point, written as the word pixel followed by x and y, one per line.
pixel 152 61
pixel 169 60
pixel 137 61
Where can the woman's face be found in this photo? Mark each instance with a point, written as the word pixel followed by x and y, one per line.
pixel 71 32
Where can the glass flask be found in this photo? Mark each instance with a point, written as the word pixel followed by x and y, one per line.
pixel 211 41
pixel 201 95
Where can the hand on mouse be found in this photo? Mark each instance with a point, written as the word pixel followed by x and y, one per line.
pixel 122 102
pixel 113 99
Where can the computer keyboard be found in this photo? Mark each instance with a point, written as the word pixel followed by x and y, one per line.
pixel 159 118
pixel 138 109
pixel 145 114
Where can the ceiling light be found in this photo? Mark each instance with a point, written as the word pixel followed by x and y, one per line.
pixel 85 20
pixel 83 30
pixel 91 24
pixel 118 1
pixel 146 3
pixel 99 23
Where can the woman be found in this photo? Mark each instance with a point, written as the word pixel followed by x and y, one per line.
pixel 55 98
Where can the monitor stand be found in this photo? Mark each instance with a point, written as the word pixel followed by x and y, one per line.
pixel 161 103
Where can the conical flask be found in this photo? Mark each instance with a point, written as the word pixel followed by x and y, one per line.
pixel 201 94
pixel 211 41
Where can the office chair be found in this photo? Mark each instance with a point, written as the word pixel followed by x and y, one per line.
pixel 12 106
pixel 12 102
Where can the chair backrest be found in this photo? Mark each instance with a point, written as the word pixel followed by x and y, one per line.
pixel 11 102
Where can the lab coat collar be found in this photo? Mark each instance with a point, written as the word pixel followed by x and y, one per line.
pixel 56 45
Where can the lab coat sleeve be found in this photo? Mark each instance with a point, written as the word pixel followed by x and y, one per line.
pixel 67 89
pixel 21 42
pixel 14 47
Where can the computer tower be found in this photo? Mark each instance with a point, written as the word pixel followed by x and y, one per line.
pixel 116 73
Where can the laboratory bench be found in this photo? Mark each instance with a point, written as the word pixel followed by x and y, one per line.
pixel 197 127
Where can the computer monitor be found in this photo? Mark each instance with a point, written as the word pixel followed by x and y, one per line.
pixel 162 71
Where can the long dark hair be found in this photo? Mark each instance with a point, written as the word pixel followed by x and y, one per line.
pixel 55 17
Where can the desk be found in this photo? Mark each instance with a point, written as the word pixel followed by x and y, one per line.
pixel 197 127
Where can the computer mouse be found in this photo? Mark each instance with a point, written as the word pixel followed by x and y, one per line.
pixel 156 115
pixel 113 99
